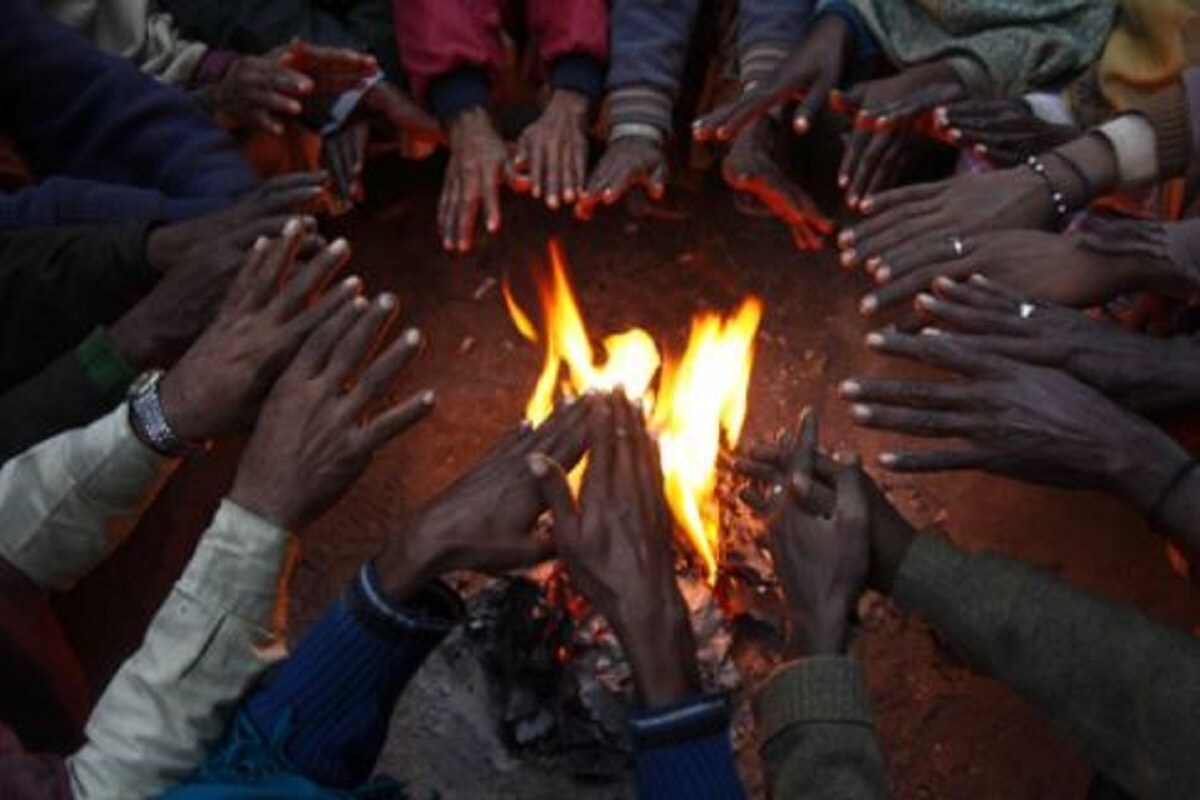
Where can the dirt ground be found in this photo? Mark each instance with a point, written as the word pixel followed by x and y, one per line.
pixel 947 733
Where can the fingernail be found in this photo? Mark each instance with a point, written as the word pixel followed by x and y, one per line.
pixel 931 331
pixel 846 239
pixel 339 247
pixel 874 263
pixel 883 275
pixel 361 304
pixel 850 388
pixel 447 244
pixel 800 125
pixel 412 337
pixel 537 464
pixel 955 134
pixel 889 459
pixel 843 181
pixel 867 205
pixel 852 201
pixel 979 280
pixel 352 282
pixel 860 412
pixel 292 228
pixel 869 304
pixel 875 339
pixel 261 243
pixel 526 426
pixel 428 397
pixel 981 150
pixel 943 283
pixel 848 257
pixel 387 301
pixel 926 301
pixel 552 202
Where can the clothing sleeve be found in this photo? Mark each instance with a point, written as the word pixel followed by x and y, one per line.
pixel 998 49
pixel 70 501
pixel 767 33
pixel 1174 113
pixel 75 201
pixel 214 636
pixel 73 391
pixel 450 51
pixel 572 43
pixel 1126 686
pixel 649 47
pixel 683 751
pixel 95 117
pixel 57 284
pixel 817 732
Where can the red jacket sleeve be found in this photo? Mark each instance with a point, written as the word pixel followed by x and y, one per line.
pixel 572 38
pixel 450 43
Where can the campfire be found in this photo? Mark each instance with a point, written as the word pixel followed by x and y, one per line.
pixel 696 405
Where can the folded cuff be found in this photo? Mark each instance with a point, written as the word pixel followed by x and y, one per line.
pixel 692 718
pixel 579 72
pixel 1135 148
pixel 455 92
pixel 432 611
pixel 641 105
pixel 818 689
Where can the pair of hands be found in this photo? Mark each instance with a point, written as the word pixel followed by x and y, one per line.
pixel 298 364
pixel 549 161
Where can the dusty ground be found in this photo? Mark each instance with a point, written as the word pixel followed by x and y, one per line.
pixel 946 732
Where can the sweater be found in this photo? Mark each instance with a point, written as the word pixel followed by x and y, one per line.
pixel 107 142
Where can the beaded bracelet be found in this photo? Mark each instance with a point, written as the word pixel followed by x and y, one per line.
pixel 1057 198
pixel 1181 474
pixel 1089 188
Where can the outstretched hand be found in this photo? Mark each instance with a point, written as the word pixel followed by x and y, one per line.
pixel 478 168
pixel 1005 131
pixel 628 163
pixel 551 155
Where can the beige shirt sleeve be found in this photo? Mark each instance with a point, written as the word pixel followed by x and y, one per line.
pixel 213 637
pixel 71 500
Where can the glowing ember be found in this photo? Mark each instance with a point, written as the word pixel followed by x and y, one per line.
pixel 698 404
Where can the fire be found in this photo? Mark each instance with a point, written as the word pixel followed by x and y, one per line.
pixel 698 403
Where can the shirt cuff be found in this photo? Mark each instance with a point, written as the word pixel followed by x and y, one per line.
pixel 818 689
pixel 455 92
pixel 1135 148
pixel 103 364
pixel 641 105
pixel 692 718
pixel 433 610
pixel 579 72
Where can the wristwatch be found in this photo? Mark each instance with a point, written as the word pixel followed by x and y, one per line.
pixel 149 423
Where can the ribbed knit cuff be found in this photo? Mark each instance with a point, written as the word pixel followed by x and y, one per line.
pixel 818 689
pixel 1135 148
pixel 455 92
pixel 641 105
pixel 684 750
pixel 760 62
pixel 1167 112
pixel 579 72
pixel 431 612
pixel 929 573
pixel 103 364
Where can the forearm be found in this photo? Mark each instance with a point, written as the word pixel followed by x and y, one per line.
pixel 213 637
pixel 817 733
pixel 69 201
pixel 1070 653
pixel 70 501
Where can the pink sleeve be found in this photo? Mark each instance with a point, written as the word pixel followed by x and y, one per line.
pixel 569 27
pixel 437 37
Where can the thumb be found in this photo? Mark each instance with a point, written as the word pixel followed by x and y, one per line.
pixel 555 493
pixel 853 513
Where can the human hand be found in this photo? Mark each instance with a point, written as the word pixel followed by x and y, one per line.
pixel 478 163
pixel 262 91
pixel 1023 421
pixel 219 383
pixel 793 476
pixel 1005 131
pixel 809 74
pixel 552 152
pixel 1138 371
pixel 961 206
pixel 617 548
pixel 485 520
pixel 889 119
pixel 343 155
pixel 317 431
pixel 628 162
pixel 386 103
pixel 750 167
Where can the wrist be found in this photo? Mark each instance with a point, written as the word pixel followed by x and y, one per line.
pixel 662 651
pixel 410 560
pixel 1140 470
pixel 135 342
pixel 820 632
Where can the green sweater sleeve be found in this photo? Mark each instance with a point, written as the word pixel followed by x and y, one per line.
pixel 1127 687
pixel 817 733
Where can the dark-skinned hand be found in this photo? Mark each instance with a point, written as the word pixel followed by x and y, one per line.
pixel 1043 267
pixel 961 206
pixel 478 168
pixel 219 383
pixel 1019 420
pixel 617 548
pixel 552 152
pixel 808 75
pixel 385 104
pixel 1005 130
pixel 320 425
pixel 343 156
pixel 486 520
pixel 793 471
pixel 891 117
pixel 628 162
pixel 261 92
pixel 1138 371
pixel 751 167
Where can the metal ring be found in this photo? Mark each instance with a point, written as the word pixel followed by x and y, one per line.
pixel 959 247
pixel 1026 310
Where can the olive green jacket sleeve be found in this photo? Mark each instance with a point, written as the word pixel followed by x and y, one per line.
pixel 1127 687
pixel 817 734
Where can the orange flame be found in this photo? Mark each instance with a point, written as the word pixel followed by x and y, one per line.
pixel 700 402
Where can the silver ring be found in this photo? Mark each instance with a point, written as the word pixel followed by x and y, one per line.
pixel 959 247
pixel 1026 310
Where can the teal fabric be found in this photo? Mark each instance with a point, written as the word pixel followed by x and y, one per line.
pixel 248 766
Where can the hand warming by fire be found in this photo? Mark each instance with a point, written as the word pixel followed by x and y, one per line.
pixel 696 406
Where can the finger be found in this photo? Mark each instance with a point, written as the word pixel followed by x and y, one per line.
pixel 356 346
pixel 804 455
pixel 279 196
pixel 468 211
pixel 289 83
pixel 914 422
pixel 756 501
pixel 880 244
pixel 603 455
pixel 330 303
pixel 810 106
pixel 564 437
pixel 579 157
pixel 537 169
pixel 445 205
pixel 556 494
pixel 980 286
pixel 313 277
pixel 902 196
pixel 239 296
pixel 656 183
pixel 382 371
pixel 555 164
pixel 264 121
pixel 972 319
pixel 868 165
pixel 277 264
pixel 396 420
pixel 860 137
pixel 276 103
pixel 623 480
pixel 724 123
pixel 853 508
pixel 315 352
pixel 248 233
pixel 889 167
pixel 921 252
pixel 912 394
pixel 852 240
pixel 491 198
pixel 938 351
pixel 934 461
pixel 909 286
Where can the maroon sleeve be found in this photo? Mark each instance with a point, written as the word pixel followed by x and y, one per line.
pixel 441 37
pixel 25 776
pixel 572 38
